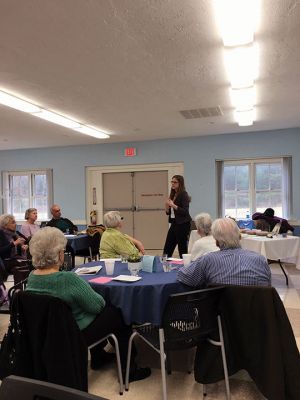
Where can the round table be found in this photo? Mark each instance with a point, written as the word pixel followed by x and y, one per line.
pixel 142 301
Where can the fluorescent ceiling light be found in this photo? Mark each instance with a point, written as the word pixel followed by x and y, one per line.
pixel 245 118
pixel 242 65
pixel 237 20
pixel 57 119
pixel 243 99
pixel 86 130
pixel 16 103
pixel 22 105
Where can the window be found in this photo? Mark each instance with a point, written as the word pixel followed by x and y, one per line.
pixel 248 186
pixel 27 189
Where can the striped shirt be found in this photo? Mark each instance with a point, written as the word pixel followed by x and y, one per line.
pixel 229 266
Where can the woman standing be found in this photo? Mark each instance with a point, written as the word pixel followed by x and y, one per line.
pixel 29 228
pixel 177 208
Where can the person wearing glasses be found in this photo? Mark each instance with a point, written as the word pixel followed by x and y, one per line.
pixel 114 243
pixel 177 208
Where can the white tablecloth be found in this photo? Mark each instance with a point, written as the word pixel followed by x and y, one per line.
pixel 278 248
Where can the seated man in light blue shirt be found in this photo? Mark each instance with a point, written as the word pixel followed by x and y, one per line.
pixel 232 265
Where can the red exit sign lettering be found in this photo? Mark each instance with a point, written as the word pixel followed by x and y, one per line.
pixel 130 152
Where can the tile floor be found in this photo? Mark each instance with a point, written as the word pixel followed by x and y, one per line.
pixel 181 385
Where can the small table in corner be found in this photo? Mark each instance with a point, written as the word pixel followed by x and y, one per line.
pixel 277 248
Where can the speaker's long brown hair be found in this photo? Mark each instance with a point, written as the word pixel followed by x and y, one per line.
pixel 181 187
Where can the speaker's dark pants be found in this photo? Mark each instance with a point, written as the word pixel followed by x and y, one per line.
pixel 177 235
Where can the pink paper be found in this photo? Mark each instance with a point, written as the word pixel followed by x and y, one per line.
pixel 101 279
pixel 176 262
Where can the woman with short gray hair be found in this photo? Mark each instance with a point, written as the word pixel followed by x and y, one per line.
pixel 94 318
pixel 12 247
pixel 29 228
pixel 48 248
pixel 114 243
pixel 112 219
pixel 206 243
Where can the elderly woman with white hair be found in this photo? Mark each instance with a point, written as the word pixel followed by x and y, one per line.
pixel 206 243
pixel 12 247
pixel 94 318
pixel 114 243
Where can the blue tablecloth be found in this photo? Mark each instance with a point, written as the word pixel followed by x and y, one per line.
pixel 78 243
pixel 141 301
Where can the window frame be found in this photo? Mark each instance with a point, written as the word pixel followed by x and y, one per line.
pixel 6 177
pixel 252 162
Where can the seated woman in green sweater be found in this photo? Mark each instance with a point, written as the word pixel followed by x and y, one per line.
pixel 94 318
pixel 114 243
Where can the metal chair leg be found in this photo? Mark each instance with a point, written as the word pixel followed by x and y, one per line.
pixel 116 344
pixel 204 392
pixel 228 396
pixel 162 363
pixel 128 360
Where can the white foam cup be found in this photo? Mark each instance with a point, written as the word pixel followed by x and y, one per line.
pixel 109 266
pixel 186 259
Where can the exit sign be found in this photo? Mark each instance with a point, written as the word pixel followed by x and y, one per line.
pixel 130 152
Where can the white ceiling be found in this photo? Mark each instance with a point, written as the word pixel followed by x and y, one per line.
pixel 130 66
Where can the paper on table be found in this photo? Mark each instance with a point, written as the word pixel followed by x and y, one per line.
pixel 111 259
pixel 88 270
pixel 101 279
pixel 127 278
pixel 174 259
pixel 177 262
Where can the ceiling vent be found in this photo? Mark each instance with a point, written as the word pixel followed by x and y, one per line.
pixel 202 112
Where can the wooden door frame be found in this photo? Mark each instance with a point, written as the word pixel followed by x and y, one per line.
pixel 94 181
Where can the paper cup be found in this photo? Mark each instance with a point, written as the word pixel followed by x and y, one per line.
pixel 186 259
pixel 109 266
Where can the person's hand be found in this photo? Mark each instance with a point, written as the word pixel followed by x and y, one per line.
pixel 140 247
pixel 19 241
pixel 171 204
pixel 24 247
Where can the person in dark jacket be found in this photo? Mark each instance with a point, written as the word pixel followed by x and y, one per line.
pixel 12 246
pixel 177 208
pixel 63 224
pixel 269 217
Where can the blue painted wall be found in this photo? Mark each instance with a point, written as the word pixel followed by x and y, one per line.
pixel 198 154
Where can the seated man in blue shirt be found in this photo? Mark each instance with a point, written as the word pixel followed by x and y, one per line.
pixel 232 265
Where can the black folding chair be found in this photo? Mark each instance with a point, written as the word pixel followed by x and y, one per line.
pixel 92 252
pixel 188 319
pixel 42 316
pixel 17 387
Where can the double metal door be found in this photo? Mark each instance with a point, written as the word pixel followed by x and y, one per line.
pixel 140 197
